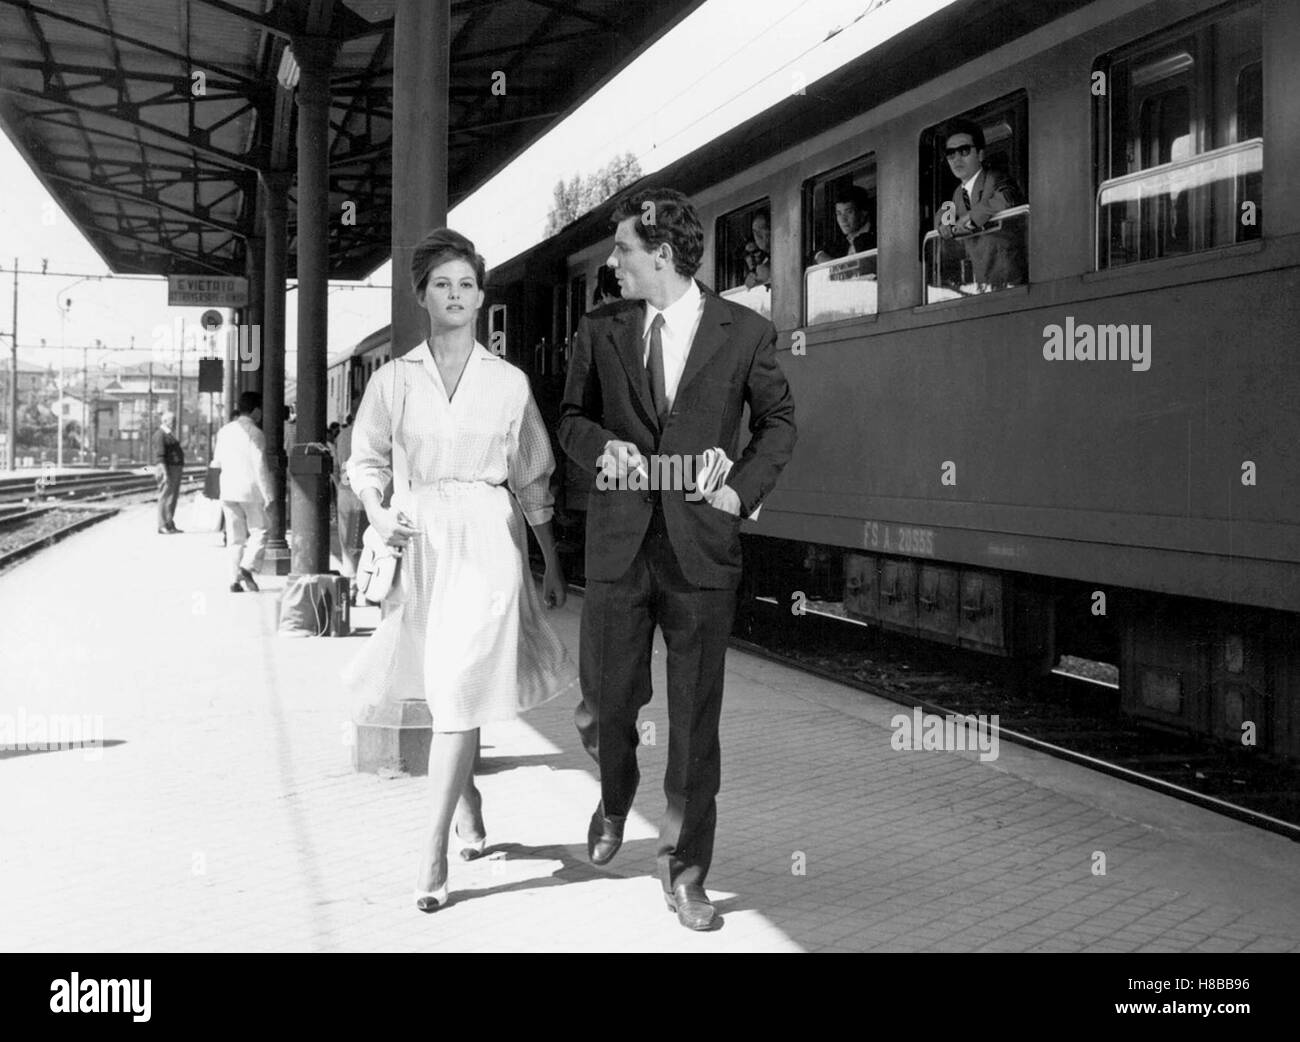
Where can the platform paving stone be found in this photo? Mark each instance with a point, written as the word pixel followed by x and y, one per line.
pixel 222 812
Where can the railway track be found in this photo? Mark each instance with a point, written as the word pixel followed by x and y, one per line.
pixel 35 514
pixel 82 487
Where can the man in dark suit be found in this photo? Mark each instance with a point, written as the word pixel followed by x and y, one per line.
pixel 666 373
pixel 997 257
pixel 169 463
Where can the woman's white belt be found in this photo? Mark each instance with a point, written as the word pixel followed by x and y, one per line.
pixel 453 485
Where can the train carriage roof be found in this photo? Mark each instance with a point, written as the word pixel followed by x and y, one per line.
pixel 950 38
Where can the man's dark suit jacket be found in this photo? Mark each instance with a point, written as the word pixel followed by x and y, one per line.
pixel 995 191
pixel 731 363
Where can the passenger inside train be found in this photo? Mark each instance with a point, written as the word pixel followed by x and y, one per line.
pixel 607 289
pixel 757 252
pixel 984 190
pixel 855 229
pixel 840 274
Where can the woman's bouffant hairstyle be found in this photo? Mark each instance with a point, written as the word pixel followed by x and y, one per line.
pixel 438 247
pixel 664 215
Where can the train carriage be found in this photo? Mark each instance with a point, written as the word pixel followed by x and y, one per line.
pixel 1070 430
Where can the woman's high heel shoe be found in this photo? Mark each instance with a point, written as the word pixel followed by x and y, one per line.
pixel 432 900
pixel 470 850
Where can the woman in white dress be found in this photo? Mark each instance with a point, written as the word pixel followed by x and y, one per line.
pixel 458 430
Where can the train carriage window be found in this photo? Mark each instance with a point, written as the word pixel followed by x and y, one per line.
pixel 743 252
pixel 1180 146
pixel 840 242
pixel 974 201
pixel 1250 125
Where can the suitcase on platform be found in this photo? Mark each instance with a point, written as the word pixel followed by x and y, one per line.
pixel 316 606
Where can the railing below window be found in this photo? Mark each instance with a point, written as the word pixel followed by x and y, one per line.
pixel 993 258
pixel 841 288
pixel 1198 203
pixel 759 298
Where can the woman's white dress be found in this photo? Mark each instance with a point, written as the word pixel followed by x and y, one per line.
pixel 469 636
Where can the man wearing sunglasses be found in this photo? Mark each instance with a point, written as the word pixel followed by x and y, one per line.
pixel 981 193
pixel 997 258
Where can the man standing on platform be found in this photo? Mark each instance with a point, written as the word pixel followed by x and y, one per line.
pixel 666 373
pixel 170 460
pixel 246 489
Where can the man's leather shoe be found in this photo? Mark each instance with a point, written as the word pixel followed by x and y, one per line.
pixel 604 836
pixel 694 909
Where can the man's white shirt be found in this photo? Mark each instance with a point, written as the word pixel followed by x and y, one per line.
pixel 681 320
pixel 241 454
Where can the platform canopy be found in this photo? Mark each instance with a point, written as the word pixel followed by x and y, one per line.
pixel 151 120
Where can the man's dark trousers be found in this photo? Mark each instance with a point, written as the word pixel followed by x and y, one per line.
pixel 617 636
pixel 169 490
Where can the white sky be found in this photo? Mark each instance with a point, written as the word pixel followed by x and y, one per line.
pixel 728 61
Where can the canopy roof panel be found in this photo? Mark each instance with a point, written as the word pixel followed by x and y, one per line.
pixel 151 120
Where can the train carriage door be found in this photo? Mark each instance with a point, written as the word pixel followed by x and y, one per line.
pixel 577 308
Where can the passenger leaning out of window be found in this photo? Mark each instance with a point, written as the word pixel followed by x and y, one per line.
pixel 997 257
pixel 982 192
pixel 757 252
pixel 856 231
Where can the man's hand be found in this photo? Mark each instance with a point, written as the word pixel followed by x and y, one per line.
pixel 618 459
pixel 821 257
pixel 725 499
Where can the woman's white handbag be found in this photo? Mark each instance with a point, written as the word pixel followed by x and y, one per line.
pixel 377 568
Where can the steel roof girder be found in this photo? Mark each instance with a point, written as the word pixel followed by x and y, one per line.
pixel 60 98
pixel 161 204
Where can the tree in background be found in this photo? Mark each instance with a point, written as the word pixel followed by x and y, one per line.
pixel 580 194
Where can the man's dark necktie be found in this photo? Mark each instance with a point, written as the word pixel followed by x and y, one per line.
pixel 655 369
pixel 965 198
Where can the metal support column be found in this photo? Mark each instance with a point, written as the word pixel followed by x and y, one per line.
pixel 395 734
pixel 276 194
pixel 421 82
pixel 251 371
pixel 309 471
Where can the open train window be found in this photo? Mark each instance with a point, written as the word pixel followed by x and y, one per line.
pixel 743 252
pixel 1180 145
pixel 840 242
pixel 974 202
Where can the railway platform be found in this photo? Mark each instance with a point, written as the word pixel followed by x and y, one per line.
pixel 221 812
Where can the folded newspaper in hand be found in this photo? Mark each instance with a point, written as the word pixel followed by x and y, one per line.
pixel 712 475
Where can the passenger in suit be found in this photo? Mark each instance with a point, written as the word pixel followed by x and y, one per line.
pixel 666 372
pixel 997 257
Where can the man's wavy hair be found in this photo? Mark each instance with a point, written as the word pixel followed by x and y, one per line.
pixel 669 218
pixel 438 247
pixel 963 126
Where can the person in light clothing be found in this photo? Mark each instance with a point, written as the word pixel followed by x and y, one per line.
pixel 457 430
pixel 246 489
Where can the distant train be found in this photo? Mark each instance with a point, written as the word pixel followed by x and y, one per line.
pixel 1075 431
